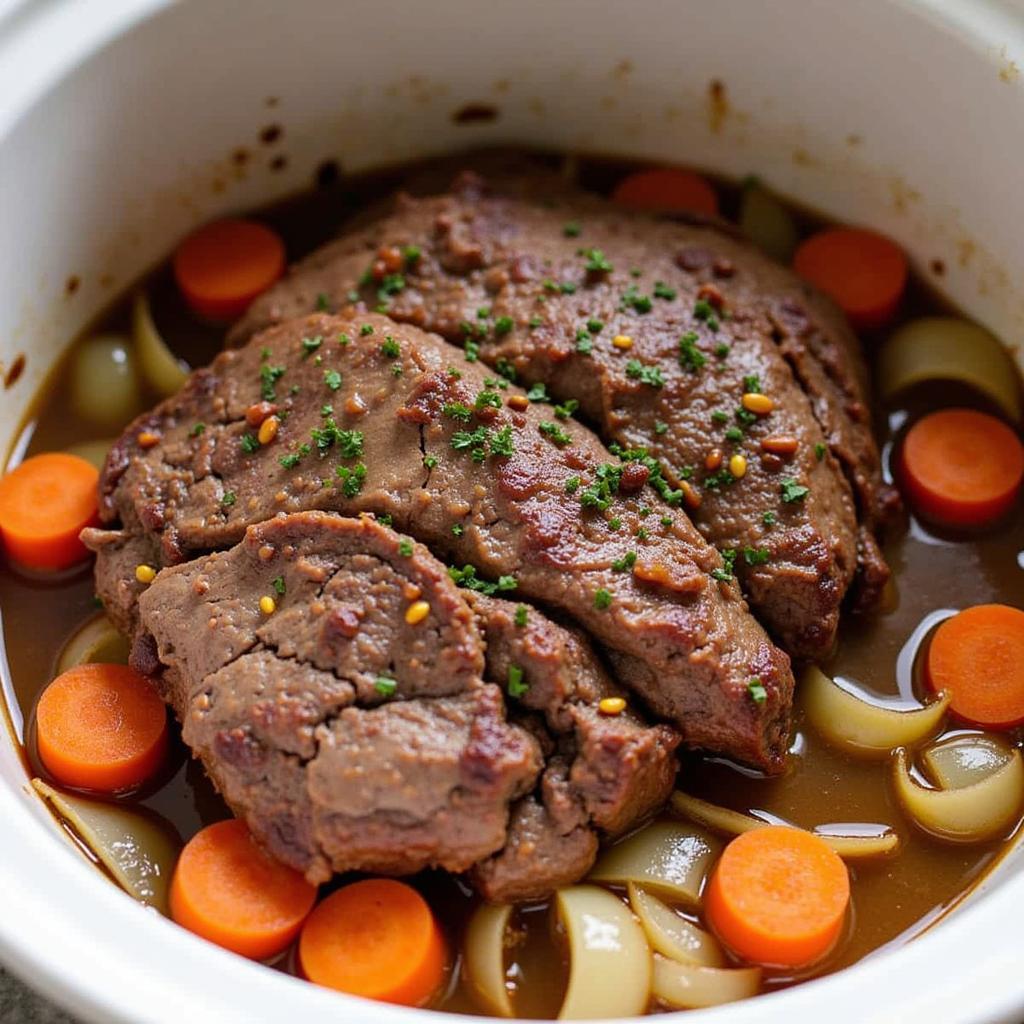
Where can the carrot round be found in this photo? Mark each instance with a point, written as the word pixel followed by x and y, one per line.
pixel 223 266
pixel 778 896
pixel 228 890
pixel 959 467
pixel 667 190
pixel 977 657
pixel 376 938
pixel 44 505
pixel 101 727
pixel 864 272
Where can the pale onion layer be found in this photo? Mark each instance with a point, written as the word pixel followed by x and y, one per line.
pixel 688 987
pixel 671 935
pixel 964 760
pixel 163 372
pixel 96 641
pixel 484 958
pixel 767 223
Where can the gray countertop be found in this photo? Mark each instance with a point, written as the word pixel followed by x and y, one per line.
pixel 20 1005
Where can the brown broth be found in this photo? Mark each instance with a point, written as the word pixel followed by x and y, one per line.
pixel 892 900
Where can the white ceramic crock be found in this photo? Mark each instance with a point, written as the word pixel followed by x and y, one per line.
pixel 118 121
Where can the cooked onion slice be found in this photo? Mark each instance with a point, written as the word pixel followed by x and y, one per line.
pixel 484 953
pixel 964 760
pixel 667 857
pixel 947 348
pixel 767 223
pixel 862 728
pixel 671 935
pixel 849 845
pixel 134 848
pixel 687 987
pixel 973 813
pixel 104 385
pixel 97 640
pixel 609 959
pixel 162 371
pixel 92 451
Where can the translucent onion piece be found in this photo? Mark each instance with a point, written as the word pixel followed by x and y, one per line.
pixel 139 852
pixel 849 846
pixel 968 815
pixel 688 987
pixel 964 760
pixel 947 348
pixel 767 223
pixel 863 728
pixel 97 640
pixel 609 959
pixel 671 935
pixel 667 857
pixel 92 451
pixel 104 385
pixel 484 958
pixel 162 371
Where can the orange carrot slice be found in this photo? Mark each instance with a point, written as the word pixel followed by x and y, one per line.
pixel 977 657
pixel 864 272
pixel 376 938
pixel 101 727
pixel 45 503
pixel 667 190
pixel 959 467
pixel 778 896
pixel 223 266
pixel 228 890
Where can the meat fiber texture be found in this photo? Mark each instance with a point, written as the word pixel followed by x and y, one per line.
pixel 657 329
pixel 351 738
pixel 387 419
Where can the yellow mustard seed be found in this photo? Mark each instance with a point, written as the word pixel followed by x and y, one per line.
pixel 622 341
pixel 268 605
pixel 417 612
pixel 737 466
pixel 612 705
pixel 758 404
pixel 148 439
pixel 145 573
pixel 268 429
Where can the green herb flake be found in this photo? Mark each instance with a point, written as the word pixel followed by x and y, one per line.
pixel 250 443
pixel 768 518
pixel 197 430
pixel 516 687
pixel 430 461
pixel 269 376
pixel 752 384
pixel 228 499
pixel 645 374
pixel 756 556
pixel 278 586
pixel 602 599
pixel 660 427
pixel 792 491
pixel 554 433
pixel 703 310
pixel 690 357
pixel 595 326
pixel 405 548
pixel 521 615
pixel 722 350
pixel 734 434
pixel 597 262
pixel 537 393
pixel 332 379
pixel 467 577
pixel 819 451
pixel 664 291
pixel 458 411
pixel 719 416
pixel 758 694
pixel 351 478
pixel 289 461
pixel 572 485
pixel 390 348
pixel 310 345
pixel 323 303
pixel 365 330
pixel 503 325
pixel 567 408
pixel 724 575
pixel 384 686
pixel 535 321
pixel 625 563
pixel 458 529
pixel 585 346
pixel 572 229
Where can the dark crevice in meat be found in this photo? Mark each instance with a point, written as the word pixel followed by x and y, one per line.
pixel 702 316
pixel 517 493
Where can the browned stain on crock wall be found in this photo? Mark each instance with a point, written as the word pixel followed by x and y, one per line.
pixel 476 113
pixel 17 368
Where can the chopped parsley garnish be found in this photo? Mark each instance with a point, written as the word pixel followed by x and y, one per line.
pixel 391 285
pixel 663 291
pixel 487 398
pixel 503 325
pixel 269 376
pixel 265 354
pixel 768 518
pixel 384 686
pixel 326 409
pixel 323 303
pixel 719 416
pixel 567 408
pixel 365 330
pixel 602 599
pixel 349 442
pixel 723 478
pixel 344 339
pixel 250 443
pixel 722 350
pixel 390 348
pixel 584 346
pixel 483 313
pixel 516 687
pixel 758 694
pixel 638 302
pixel 458 529
pixel 642 533
pixel 466 577
pixel 229 499
pixel 521 614
pixel 572 485
pixel 614 524
pixel 535 321
pixel 477 442
pixel 756 556
pixel 597 262
pixel 792 492
pixel 411 254
pixel 501 442
pixel 660 427
pixel 332 379
pixel 645 374
pixel 537 393
pixel 383 518
pixel 199 428
pixel 458 411
pixel 430 461
pixel 703 310
pixel 724 575
pixel 734 434
pixel 278 585
pixel 554 433
pixel 471 351
pixel 752 384
pixel 625 563
pixel 744 416
pixel 405 548
pixel 572 229
pixel 290 461
pixel 690 357
pixel 351 478
pixel 506 369
pixel 310 345
pixel 595 326
pixel 667 520
pixel 819 451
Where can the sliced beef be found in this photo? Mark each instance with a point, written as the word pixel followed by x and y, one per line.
pixel 376 417
pixel 346 736
pixel 543 280
pixel 605 772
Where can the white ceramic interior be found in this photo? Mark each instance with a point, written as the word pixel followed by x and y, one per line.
pixel 118 119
